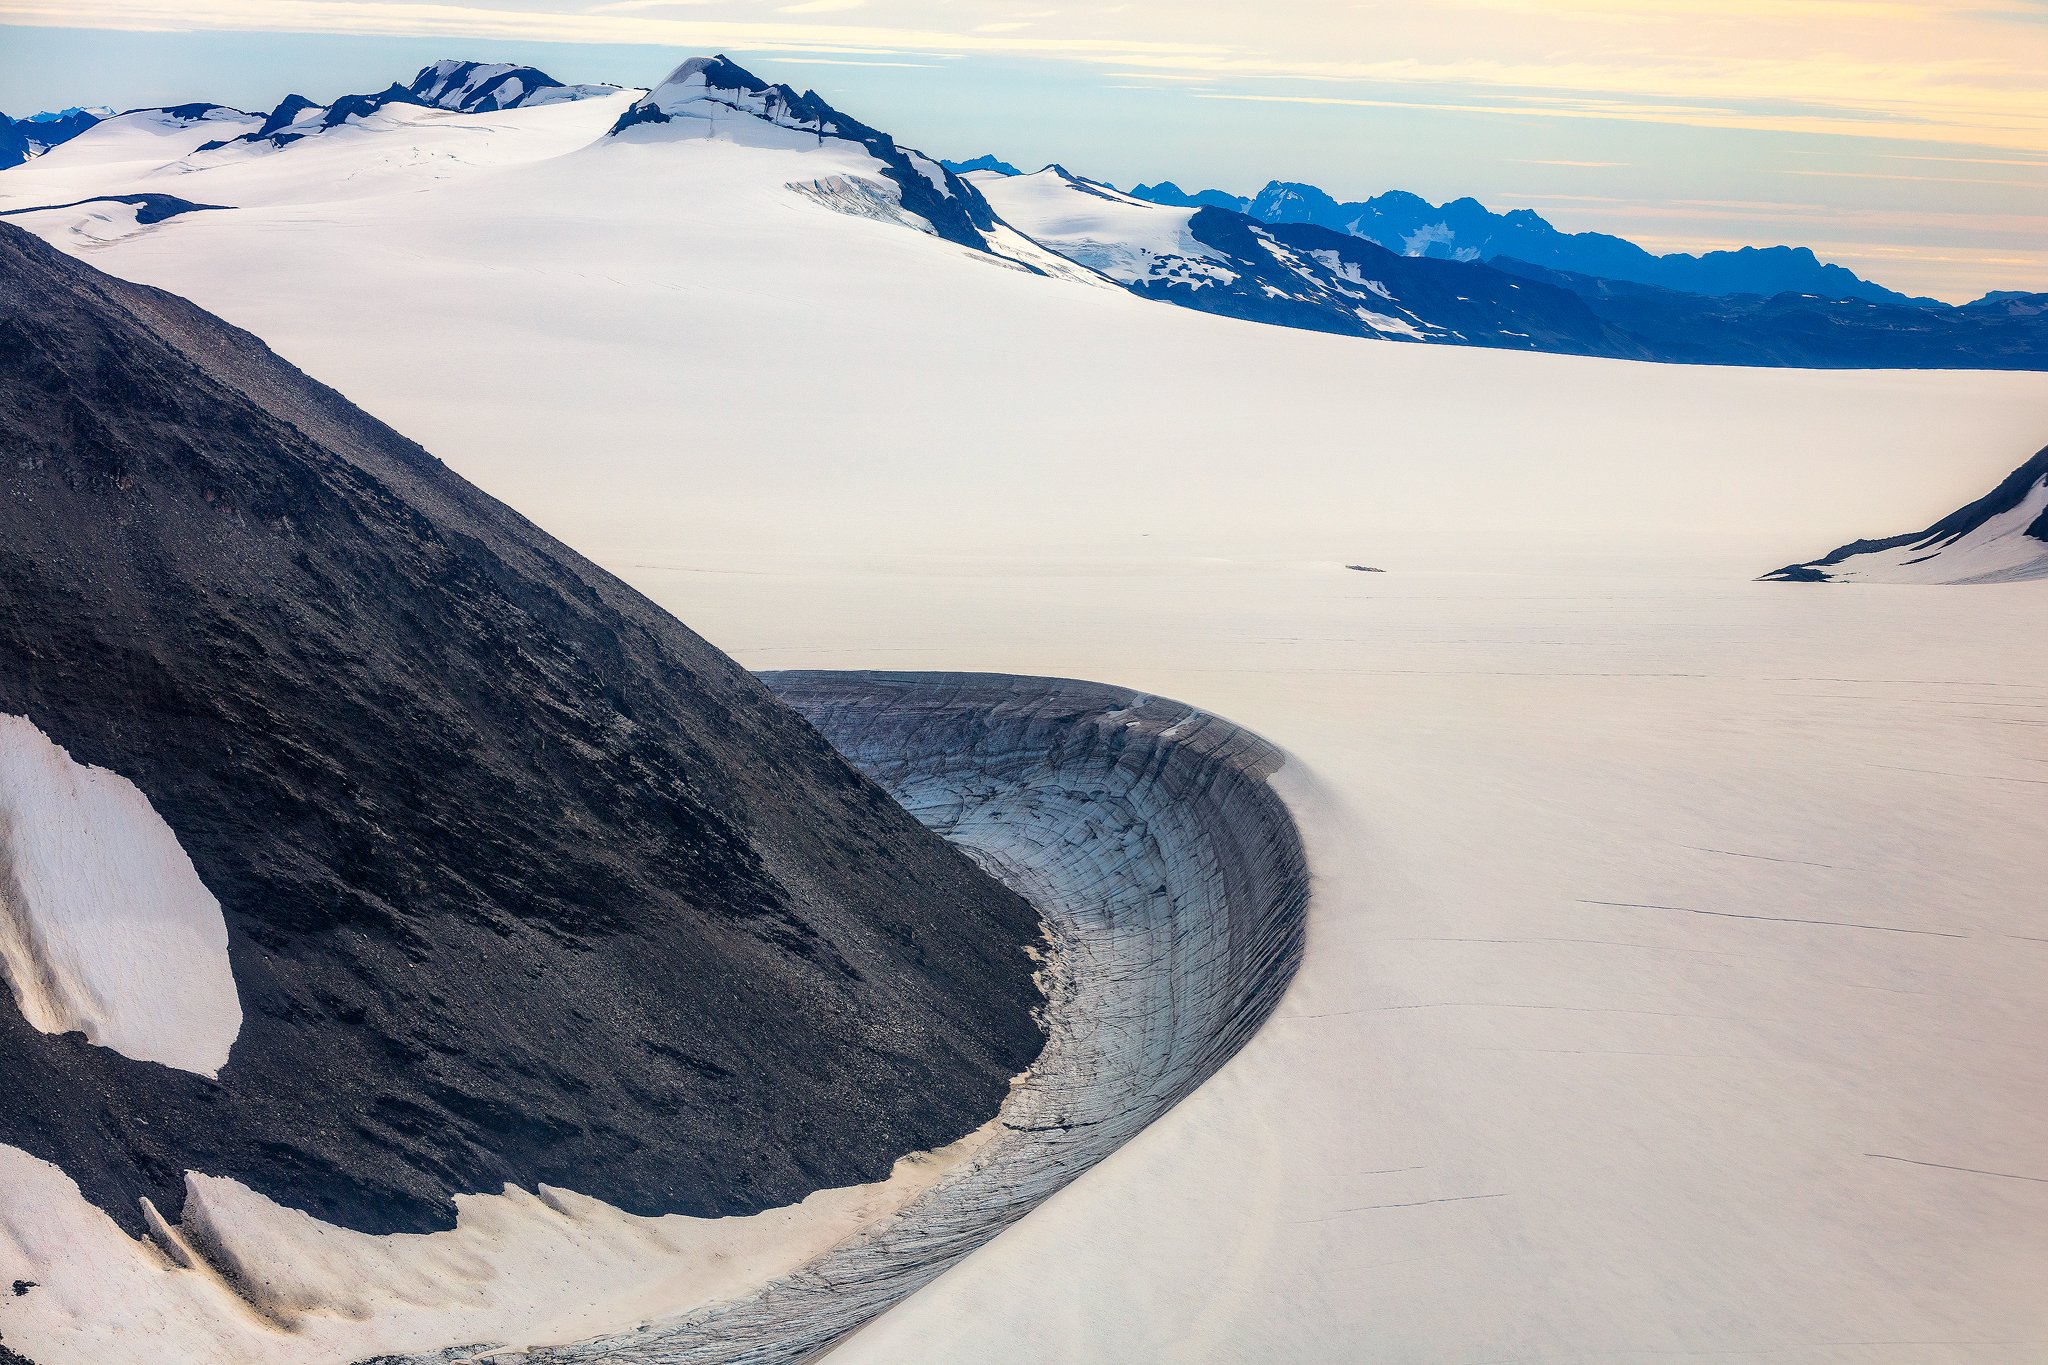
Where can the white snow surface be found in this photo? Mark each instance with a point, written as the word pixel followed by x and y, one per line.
pixel 243 1281
pixel 141 142
pixel 105 928
pixel 1675 982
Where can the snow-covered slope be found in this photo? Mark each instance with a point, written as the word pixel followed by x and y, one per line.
pixel 458 87
pixel 686 278
pixel 1093 225
pixel 1220 261
pixel 130 145
pixel 710 97
pixel 483 87
pixel 105 929
pixel 2000 538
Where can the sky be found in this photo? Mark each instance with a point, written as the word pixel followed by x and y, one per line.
pixel 1907 139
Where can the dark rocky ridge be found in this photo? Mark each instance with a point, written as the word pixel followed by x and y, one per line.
pixel 150 209
pixel 524 881
pixel 2011 492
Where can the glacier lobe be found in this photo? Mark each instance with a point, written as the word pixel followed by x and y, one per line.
pixel 1175 893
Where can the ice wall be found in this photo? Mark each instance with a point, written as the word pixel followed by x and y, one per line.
pixel 1175 894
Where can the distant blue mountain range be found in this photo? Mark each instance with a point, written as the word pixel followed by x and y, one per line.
pixel 1466 230
pixel 1307 275
pixel 981 163
pixel 21 139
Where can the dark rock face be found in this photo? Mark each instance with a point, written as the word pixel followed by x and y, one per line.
pixel 524 882
pixel 14 144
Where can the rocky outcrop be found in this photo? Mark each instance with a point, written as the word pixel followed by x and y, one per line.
pixel 2000 538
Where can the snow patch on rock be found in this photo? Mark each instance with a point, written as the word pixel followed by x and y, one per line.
pixel 105 928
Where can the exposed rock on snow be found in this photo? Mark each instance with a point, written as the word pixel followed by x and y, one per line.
pixel 523 883
pixel 711 97
pixel 1222 261
pixel 94 222
pixel 105 929
pixel 2000 538
pixel 481 87
pixel 458 87
pixel 985 162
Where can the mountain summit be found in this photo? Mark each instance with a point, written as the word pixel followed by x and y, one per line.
pixel 715 97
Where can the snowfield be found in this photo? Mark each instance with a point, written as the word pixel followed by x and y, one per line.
pixel 105 928
pixel 1677 968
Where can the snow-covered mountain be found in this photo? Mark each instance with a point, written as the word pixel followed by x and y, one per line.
pixel 1291 274
pixel 839 440
pixel 481 87
pixel 1301 274
pixel 459 87
pixel 21 139
pixel 1466 230
pixel 2000 538
pixel 708 97
pixel 131 173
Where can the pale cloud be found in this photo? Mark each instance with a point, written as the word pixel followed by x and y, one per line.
pixel 853 61
pixel 1960 72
